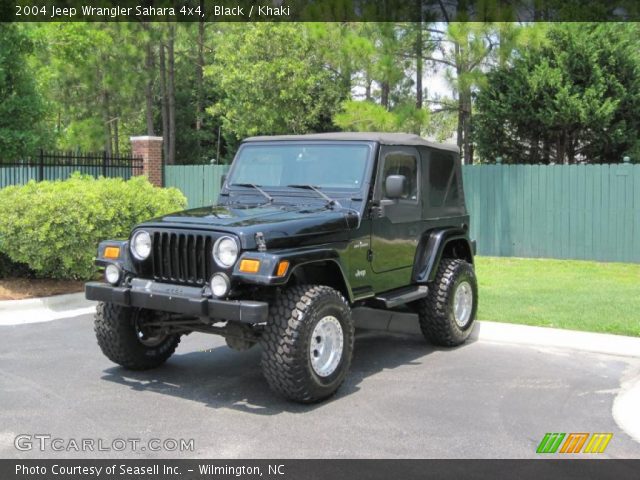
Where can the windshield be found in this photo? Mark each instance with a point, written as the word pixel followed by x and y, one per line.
pixel 330 167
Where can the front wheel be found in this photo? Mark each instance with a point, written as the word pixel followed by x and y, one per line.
pixel 307 344
pixel 125 338
pixel 448 312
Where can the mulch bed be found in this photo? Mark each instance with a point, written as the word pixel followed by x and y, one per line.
pixel 20 288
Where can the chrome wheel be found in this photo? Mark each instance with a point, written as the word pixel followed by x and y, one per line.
pixel 463 304
pixel 325 348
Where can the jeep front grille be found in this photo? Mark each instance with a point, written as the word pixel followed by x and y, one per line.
pixel 182 257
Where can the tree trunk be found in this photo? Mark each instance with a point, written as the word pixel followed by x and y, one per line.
pixel 534 151
pixel 106 117
pixel 165 102
pixel 464 108
pixel 200 76
pixel 467 145
pixel 460 130
pixel 384 95
pixel 116 138
pixel 560 149
pixel 419 100
pixel 571 149
pixel 107 133
pixel 546 151
pixel 148 88
pixel 171 90
pixel 464 94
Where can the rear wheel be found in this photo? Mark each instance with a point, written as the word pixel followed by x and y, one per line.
pixel 308 343
pixel 447 314
pixel 125 337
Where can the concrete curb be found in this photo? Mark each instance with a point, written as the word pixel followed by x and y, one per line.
pixel 36 310
pixel 625 405
pixel 45 309
pixel 407 323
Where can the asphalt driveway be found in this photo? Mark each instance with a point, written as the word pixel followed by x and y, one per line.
pixel 403 398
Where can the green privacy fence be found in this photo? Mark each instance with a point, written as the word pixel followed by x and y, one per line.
pixel 589 212
pixel 199 183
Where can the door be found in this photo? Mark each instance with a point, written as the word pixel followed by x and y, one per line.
pixel 395 223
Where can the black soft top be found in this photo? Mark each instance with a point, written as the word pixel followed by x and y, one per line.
pixel 379 137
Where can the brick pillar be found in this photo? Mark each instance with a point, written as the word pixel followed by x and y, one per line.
pixel 150 150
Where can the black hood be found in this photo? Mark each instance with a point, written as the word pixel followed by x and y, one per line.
pixel 282 225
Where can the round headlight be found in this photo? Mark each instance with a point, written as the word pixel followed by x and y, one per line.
pixel 225 252
pixel 219 284
pixel 112 274
pixel 141 245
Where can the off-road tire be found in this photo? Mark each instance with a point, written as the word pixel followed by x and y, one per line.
pixel 436 313
pixel 117 337
pixel 286 360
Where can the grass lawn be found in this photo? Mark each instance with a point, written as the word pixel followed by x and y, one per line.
pixel 577 295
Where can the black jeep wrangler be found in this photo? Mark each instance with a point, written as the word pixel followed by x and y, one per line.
pixel 306 228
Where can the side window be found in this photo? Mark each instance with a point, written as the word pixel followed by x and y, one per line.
pixel 443 181
pixel 400 163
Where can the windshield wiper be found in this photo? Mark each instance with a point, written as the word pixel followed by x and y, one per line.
pixel 256 187
pixel 330 201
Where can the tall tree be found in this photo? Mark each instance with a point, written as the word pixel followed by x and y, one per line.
pixel 149 74
pixel 164 97
pixel 272 80
pixel 170 136
pixel 575 98
pixel 21 107
pixel 90 74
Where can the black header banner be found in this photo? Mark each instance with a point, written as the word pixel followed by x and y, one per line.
pixel 317 469
pixel 319 10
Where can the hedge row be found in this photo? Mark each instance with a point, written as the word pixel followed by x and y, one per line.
pixel 54 227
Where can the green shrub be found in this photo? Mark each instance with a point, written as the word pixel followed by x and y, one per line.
pixel 11 269
pixel 54 227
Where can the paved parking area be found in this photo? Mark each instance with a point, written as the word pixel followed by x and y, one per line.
pixel 403 398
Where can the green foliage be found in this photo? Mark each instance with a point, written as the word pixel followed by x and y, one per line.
pixel 371 117
pixel 21 107
pixel 574 98
pixel 90 73
pixel 273 81
pixel 55 227
pixel 95 84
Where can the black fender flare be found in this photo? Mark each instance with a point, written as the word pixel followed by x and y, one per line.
pixel 297 258
pixel 431 247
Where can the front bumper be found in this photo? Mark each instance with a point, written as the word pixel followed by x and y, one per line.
pixel 177 299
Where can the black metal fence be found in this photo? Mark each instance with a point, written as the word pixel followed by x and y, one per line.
pixel 59 165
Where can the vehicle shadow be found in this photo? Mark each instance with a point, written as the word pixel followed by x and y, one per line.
pixel 223 378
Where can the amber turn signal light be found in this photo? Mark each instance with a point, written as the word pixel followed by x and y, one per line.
pixel 248 265
pixel 112 252
pixel 282 268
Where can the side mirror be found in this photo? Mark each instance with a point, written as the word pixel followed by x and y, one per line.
pixel 395 186
pixel 223 179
